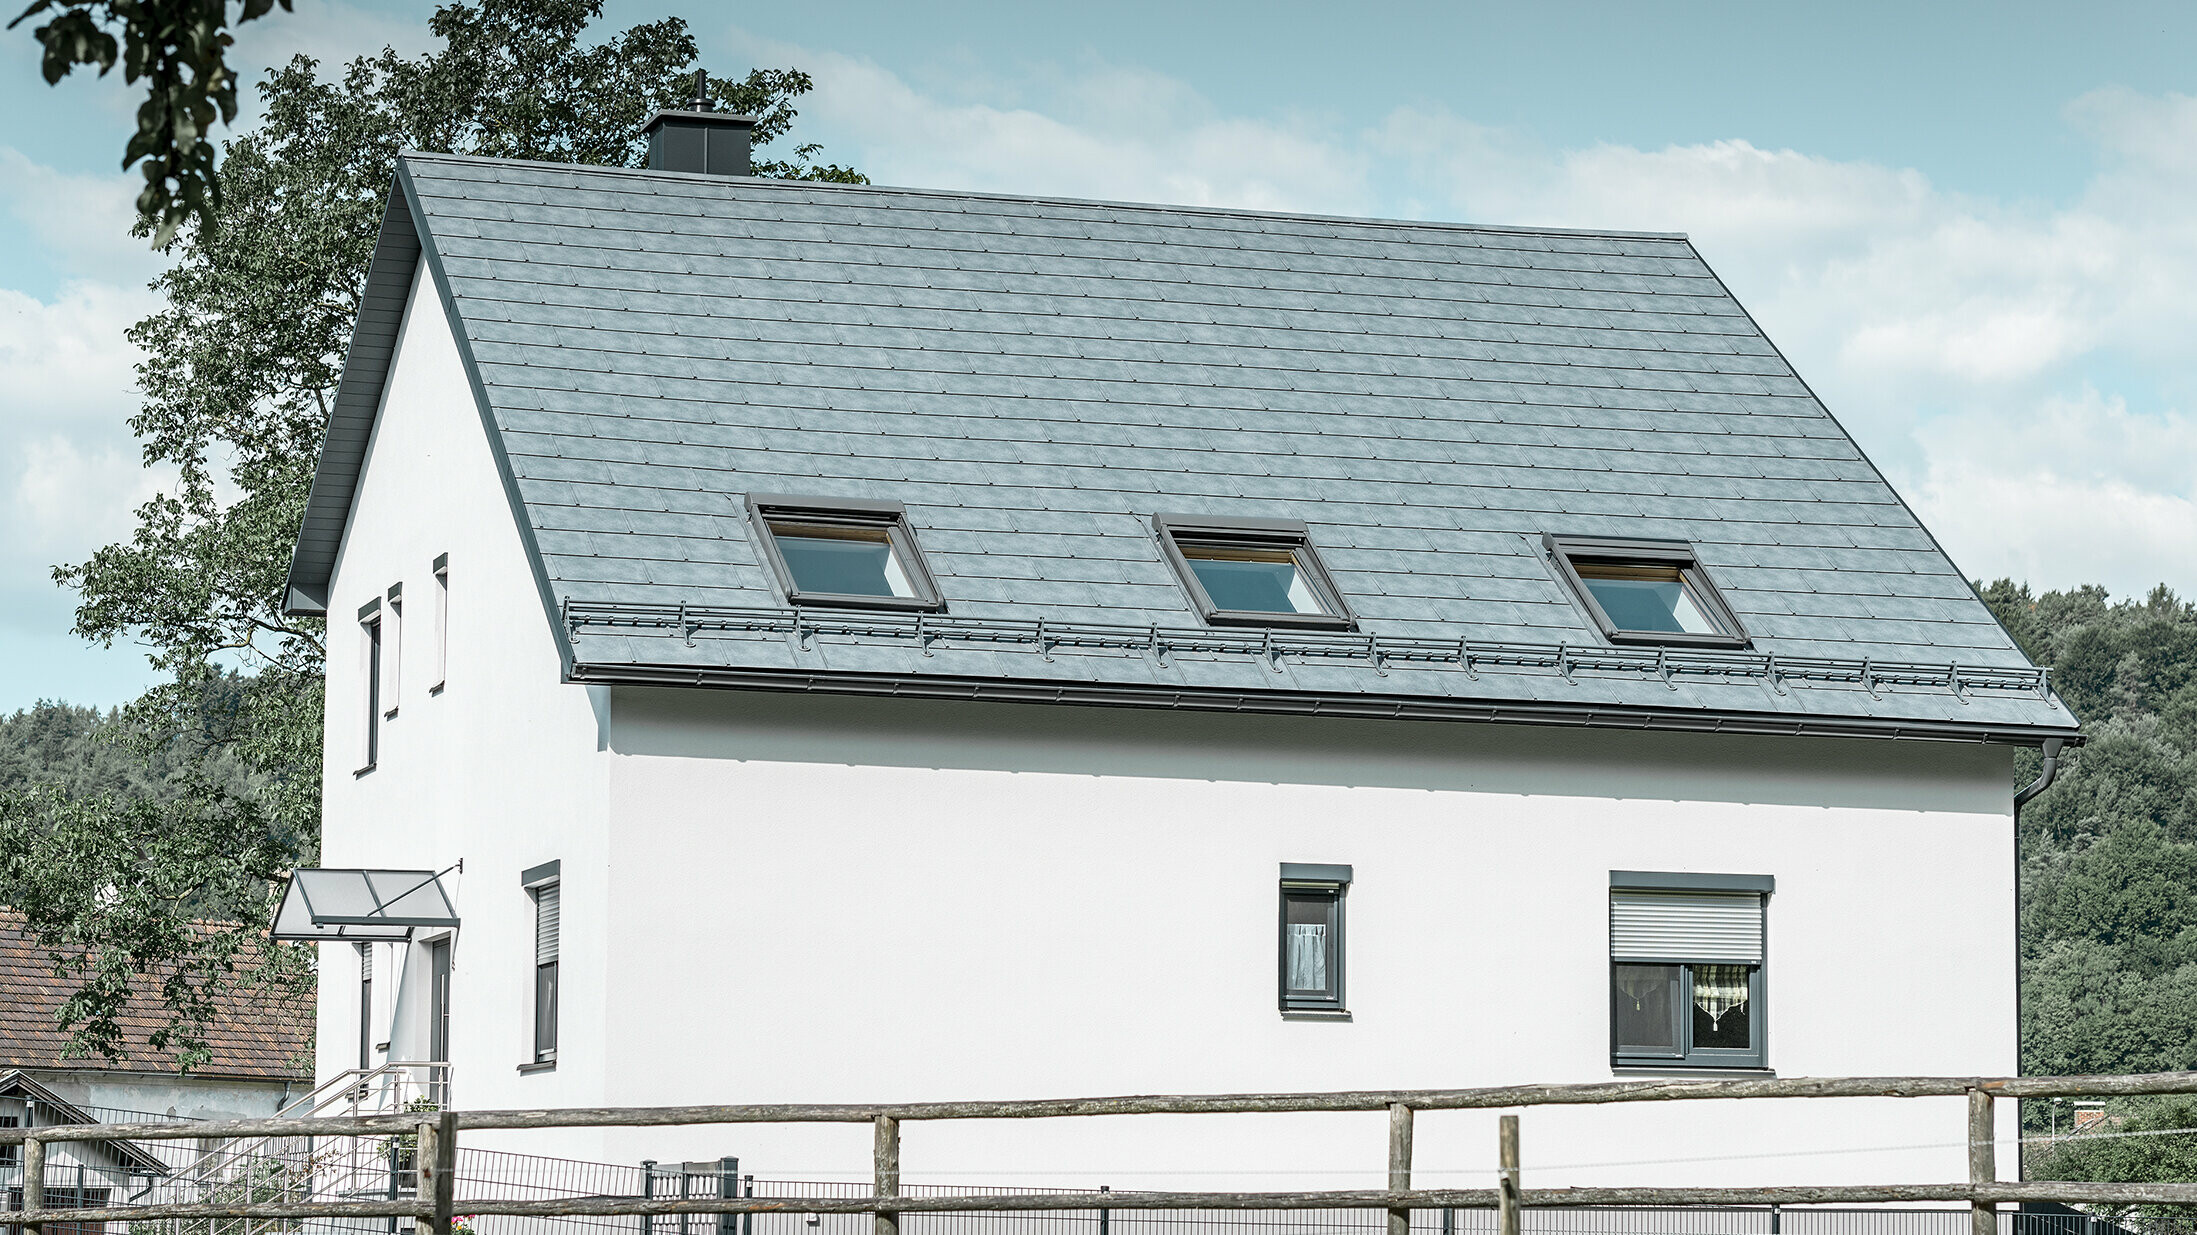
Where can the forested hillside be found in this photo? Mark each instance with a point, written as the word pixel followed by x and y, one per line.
pixel 2109 855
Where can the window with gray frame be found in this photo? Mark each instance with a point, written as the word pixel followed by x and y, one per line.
pixel 544 885
pixel 1251 572
pixel 1686 969
pixel 838 551
pixel 366 1005
pixel 1311 946
pixel 442 624
pixel 1645 591
pixel 10 1155
pixel 370 672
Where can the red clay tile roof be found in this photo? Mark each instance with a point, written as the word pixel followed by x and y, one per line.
pixel 257 1036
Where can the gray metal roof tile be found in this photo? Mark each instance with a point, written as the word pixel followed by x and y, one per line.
pixel 1036 378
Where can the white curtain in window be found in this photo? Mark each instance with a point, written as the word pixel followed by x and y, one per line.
pixel 1718 989
pixel 1641 983
pixel 1308 956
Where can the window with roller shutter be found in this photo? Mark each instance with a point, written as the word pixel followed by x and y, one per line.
pixel 1687 954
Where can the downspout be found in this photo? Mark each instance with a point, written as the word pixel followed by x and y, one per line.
pixel 2045 777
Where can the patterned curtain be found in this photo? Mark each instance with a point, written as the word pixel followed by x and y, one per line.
pixel 1640 983
pixel 1308 956
pixel 1718 989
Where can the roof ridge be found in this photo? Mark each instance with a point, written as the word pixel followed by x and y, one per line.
pixel 771 184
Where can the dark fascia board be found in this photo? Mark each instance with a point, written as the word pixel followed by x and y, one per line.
pixel 860 512
pixel 1700 584
pixel 1315 872
pixel 1309 703
pixel 547 873
pixel 1279 533
pixel 1688 881
pixel 352 412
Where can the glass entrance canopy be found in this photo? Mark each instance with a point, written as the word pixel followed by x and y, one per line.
pixel 361 905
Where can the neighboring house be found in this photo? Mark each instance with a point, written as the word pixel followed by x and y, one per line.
pixel 261 1060
pixel 835 643
pixel 261 1049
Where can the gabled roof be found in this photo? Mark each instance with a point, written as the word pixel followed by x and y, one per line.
pixel 1035 379
pixel 254 1036
pixel 54 1109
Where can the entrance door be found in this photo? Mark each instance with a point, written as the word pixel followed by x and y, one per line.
pixel 438 1018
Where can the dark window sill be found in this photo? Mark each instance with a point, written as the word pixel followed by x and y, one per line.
pixel 1676 1067
pixel 546 1065
pixel 1315 1014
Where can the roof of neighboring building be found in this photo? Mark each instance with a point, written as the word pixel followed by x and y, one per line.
pixel 255 1036
pixel 1036 379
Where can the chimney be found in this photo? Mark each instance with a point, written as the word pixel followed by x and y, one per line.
pixel 697 139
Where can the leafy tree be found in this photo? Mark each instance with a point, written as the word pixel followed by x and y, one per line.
pixel 2138 1141
pixel 180 49
pixel 242 362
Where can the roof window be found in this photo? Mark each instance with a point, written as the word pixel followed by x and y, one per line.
pixel 1251 572
pixel 838 551
pixel 1646 591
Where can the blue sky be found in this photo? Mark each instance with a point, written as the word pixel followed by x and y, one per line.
pixel 1967 225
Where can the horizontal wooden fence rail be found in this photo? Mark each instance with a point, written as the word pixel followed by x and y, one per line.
pixel 1155 1104
pixel 436 1136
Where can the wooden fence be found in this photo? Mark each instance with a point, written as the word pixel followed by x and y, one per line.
pixel 437 1133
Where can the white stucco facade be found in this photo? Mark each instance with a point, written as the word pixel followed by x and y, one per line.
pixel 789 898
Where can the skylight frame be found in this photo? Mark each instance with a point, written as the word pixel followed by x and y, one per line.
pixel 1566 551
pixel 888 517
pixel 1286 534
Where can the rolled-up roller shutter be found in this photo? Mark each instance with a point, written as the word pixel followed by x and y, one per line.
pixel 545 925
pixel 1712 927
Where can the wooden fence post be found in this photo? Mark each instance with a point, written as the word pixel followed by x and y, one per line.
pixel 1983 1134
pixel 34 1182
pixel 435 1167
pixel 888 1171
pixel 1506 1199
pixel 1399 1164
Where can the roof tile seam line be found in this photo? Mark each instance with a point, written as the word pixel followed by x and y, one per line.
pixel 820 189
pixel 1562 299
pixel 1480 385
pixel 1759 422
pixel 875 235
pixel 1401 652
pixel 1462 455
pixel 926 341
pixel 758 293
pixel 1312 703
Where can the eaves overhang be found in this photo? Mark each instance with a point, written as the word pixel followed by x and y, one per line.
pixel 351 414
pixel 1311 703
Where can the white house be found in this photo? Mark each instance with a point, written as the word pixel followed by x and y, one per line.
pixel 838 643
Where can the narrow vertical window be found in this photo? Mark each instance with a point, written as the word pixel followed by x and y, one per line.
pixel 543 884
pixel 10 1155
pixel 1686 961
pixel 1311 946
pixel 366 1006
pixel 442 623
pixel 370 675
pixel 392 649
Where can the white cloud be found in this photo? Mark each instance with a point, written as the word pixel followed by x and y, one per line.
pixel 81 222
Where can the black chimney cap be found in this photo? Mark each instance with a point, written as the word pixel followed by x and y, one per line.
pixel 713 143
